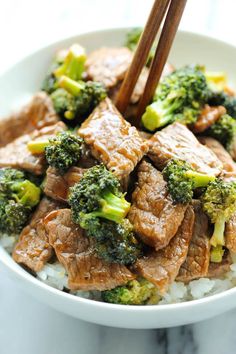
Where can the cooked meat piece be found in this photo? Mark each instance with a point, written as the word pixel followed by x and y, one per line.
pixel 228 164
pixel 153 214
pixel 176 141
pixel 17 155
pixel 76 253
pixel 33 248
pixel 216 270
pixel 230 234
pixel 208 116
pixel 108 65
pixel 113 140
pixel 198 258
pixel 57 186
pixel 161 267
pixel 39 112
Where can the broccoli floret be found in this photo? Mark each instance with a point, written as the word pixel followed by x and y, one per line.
pixel 179 97
pixel 133 37
pixel 18 196
pixel 132 40
pixel 62 152
pixel 230 105
pixel 69 63
pixel 220 98
pixel 182 180
pixel 135 292
pixel 219 203
pixel 217 82
pixel 64 104
pixel 13 216
pixel 224 130
pixel 97 195
pixel 115 243
pixel 76 100
pixel 100 208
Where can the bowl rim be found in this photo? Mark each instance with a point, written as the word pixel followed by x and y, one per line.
pixel 21 273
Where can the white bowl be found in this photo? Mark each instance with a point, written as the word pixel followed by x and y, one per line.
pixel 24 79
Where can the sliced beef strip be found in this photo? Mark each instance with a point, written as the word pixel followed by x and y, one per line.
pixel 228 164
pixel 177 141
pixel 198 258
pixel 161 267
pixel 57 186
pixel 108 65
pixel 33 248
pixel 75 251
pixel 113 140
pixel 39 112
pixel 216 270
pixel 208 116
pixel 17 155
pixel 153 214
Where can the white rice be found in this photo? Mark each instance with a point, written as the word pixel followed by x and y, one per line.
pixel 55 276
pixel 8 241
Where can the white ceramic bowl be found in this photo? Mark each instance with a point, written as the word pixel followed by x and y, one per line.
pixel 24 79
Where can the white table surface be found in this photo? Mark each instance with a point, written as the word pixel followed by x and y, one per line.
pixel 29 327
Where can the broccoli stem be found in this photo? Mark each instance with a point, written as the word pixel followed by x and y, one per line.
pixel 154 117
pixel 73 65
pixel 199 179
pixel 218 235
pixel 112 207
pixel 71 86
pixel 217 254
pixel 37 146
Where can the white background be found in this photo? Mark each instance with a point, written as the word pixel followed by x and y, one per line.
pixel 27 326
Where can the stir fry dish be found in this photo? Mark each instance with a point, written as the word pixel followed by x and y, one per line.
pixel 97 205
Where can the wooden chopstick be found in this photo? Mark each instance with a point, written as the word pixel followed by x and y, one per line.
pixel 170 27
pixel 141 54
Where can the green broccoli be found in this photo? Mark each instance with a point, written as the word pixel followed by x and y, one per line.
pixel 100 208
pixel 219 203
pixel 13 216
pixel 70 63
pixel 76 100
pixel 220 98
pixel 182 180
pixel 132 39
pixel 224 130
pixel 135 292
pixel 97 195
pixel 18 196
pixel 62 152
pixel 114 242
pixel 179 97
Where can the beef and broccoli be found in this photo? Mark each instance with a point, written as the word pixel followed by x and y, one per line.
pixel 125 210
